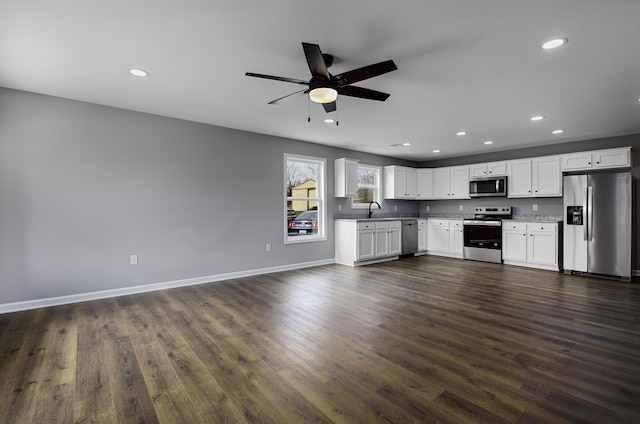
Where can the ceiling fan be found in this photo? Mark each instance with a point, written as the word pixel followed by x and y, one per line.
pixel 324 88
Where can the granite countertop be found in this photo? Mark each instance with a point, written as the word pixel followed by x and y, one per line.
pixel 536 218
pixel 451 216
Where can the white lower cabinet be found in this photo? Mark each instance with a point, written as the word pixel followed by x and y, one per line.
pixel 445 237
pixel 362 242
pixel 530 244
pixel 422 235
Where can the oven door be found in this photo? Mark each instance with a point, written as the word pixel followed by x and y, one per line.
pixel 483 234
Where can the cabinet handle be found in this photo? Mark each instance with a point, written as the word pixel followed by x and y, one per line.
pixel 588 163
pixel 597 162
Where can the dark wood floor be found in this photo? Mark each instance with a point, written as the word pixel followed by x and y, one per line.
pixel 418 340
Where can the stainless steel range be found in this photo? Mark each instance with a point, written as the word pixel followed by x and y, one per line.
pixel 483 234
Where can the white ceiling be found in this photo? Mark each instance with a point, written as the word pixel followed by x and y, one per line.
pixel 463 65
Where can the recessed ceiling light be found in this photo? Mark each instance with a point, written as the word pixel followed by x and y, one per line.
pixel 329 121
pixel 461 133
pixel 554 44
pixel 436 151
pixel 537 118
pixel 557 131
pixel 488 142
pixel 138 72
pixel 406 144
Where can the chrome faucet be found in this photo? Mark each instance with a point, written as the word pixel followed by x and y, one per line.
pixel 370 211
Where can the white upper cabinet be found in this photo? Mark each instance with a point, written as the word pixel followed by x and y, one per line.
pixel 537 177
pixel 546 179
pixel 519 182
pixel 346 177
pixel 451 182
pixel 597 159
pixel 488 169
pixel 400 182
pixel 425 184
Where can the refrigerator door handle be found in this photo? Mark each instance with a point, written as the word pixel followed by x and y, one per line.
pixel 585 214
pixel 589 214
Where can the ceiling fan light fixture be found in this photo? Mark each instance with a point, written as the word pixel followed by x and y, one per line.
pixel 323 95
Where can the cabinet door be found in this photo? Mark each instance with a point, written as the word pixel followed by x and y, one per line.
pixel 519 172
pixel 542 247
pixel 382 243
pixel 497 168
pixel 546 176
pixel 514 244
pixel 425 184
pixel 439 238
pixel 399 183
pixel 576 161
pixel 441 183
pixel 422 238
pixel 478 170
pixel 395 241
pixel 411 183
pixel 346 177
pixel 456 234
pixel 613 158
pixel 459 182
pixel 366 244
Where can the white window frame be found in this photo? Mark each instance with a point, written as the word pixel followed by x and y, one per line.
pixel 321 196
pixel 378 185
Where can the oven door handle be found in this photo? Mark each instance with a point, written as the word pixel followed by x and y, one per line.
pixel 483 223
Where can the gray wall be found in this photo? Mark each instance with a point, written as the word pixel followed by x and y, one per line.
pixel 83 186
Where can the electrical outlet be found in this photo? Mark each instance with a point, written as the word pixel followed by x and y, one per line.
pixel 339 208
pixel 395 208
pixel 133 259
pixel 428 208
pixel 268 247
pixel 535 207
pixel 461 208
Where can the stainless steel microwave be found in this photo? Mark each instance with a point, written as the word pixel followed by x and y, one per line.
pixel 488 187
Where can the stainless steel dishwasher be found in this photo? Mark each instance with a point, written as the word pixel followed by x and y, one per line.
pixel 409 236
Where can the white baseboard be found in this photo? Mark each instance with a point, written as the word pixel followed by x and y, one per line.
pixel 83 297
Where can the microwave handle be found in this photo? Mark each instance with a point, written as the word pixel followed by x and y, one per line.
pixel 497 185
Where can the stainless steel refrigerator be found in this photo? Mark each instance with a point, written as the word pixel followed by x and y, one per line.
pixel 598 224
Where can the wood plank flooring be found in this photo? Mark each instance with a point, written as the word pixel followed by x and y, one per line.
pixel 420 340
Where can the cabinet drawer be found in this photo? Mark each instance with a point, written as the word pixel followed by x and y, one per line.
pixel 395 224
pixel 382 225
pixel 519 226
pixel 543 227
pixel 439 222
pixel 366 225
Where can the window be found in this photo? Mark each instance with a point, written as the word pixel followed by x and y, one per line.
pixel 368 186
pixel 304 185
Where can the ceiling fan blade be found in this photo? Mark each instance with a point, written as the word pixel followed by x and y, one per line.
pixel 329 107
pixel 289 96
pixel 316 63
pixel 366 72
pixel 271 77
pixel 363 93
